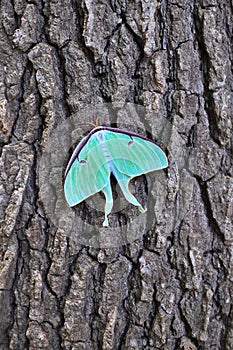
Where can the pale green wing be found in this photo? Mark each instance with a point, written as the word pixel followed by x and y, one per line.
pixel 88 174
pixel 133 155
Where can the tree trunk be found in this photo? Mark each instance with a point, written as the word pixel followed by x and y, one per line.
pixel 160 280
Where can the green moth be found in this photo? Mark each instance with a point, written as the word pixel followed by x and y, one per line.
pixel 105 151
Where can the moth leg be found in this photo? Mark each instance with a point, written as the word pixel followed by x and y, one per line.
pixel 109 202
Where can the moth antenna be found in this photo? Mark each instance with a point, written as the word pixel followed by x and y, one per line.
pixel 95 123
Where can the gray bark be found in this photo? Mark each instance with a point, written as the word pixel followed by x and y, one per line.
pixel 171 288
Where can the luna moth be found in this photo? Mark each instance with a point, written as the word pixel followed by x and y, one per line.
pixel 105 151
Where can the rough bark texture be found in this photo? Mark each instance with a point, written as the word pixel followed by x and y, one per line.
pixel 170 289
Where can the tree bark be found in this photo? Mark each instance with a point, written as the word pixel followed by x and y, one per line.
pixel 170 286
